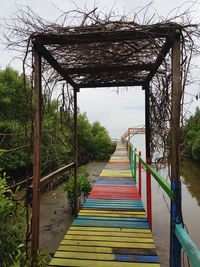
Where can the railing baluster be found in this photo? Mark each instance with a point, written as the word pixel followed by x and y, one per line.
pixel 140 175
pixel 148 193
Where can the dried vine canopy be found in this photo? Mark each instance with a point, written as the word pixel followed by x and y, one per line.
pixel 105 52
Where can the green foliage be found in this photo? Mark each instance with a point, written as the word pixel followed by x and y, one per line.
pixel 103 145
pixel 15 117
pixel 93 140
pixel 21 260
pixel 16 122
pixel 12 232
pixel 12 225
pixel 84 186
pixel 190 142
pixel 196 148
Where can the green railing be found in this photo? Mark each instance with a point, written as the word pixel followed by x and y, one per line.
pixel 186 242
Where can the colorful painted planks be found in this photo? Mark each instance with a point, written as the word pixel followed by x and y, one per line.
pixel 111 229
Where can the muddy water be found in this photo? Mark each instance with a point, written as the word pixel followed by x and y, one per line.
pixel 190 175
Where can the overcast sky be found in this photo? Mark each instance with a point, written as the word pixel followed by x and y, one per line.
pixel 115 111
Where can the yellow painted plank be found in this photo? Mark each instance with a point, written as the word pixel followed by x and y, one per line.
pixel 91 228
pixel 107 244
pixel 116 173
pixel 119 159
pixel 113 212
pixel 93 263
pixel 112 215
pixel 125 234
pixel 85 249
pixel 84 255
pixel 109 238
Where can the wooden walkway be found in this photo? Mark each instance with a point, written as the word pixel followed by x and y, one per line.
pixel 111 229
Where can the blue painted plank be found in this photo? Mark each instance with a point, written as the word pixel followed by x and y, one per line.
pixel 137 258
pixel 113 204
pixel 104 205
pixel 122 224
pixel 111 218
pixel 114 208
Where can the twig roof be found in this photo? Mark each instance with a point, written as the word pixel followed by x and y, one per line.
pixel 108 54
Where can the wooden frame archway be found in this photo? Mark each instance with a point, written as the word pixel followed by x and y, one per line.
pixel 133 71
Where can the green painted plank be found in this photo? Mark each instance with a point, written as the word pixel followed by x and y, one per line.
pixel 110 229
pixel 188 245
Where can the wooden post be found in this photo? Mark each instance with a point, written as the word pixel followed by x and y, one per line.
pixel 148 153
pixel 176 209
pixel 148 193
pixel 37 156
pixel 140 175
pixel 75 144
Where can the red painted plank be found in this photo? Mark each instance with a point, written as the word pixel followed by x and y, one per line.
pixel 115 192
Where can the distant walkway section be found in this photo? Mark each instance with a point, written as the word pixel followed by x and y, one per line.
pixel 111 229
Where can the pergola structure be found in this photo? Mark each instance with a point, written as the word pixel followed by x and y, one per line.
pixel 109 55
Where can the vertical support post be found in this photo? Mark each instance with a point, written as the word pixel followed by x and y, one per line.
pixel 148 153
pixel 148 192
pixel 135 165
pixel 37 156
pixel 140 175
pixel 176 209
pixel 75 144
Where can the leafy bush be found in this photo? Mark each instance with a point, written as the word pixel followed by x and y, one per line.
pixel 43 259
pixel 12 232
pixel 12 225
pixel 84 186
pixel 196 148
pixel 190 142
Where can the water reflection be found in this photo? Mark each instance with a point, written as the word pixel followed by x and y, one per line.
pixel 190 172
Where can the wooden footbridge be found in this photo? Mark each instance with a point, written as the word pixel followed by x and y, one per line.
pixel 112 228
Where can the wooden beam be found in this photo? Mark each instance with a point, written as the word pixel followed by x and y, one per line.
pixel 111 84
pixel 176 207
pixel 105 68
pixel 75 146
pixel 164 51
pixel 52 61
pixel 37 157
pixel 106 36
pixel 176 109
pixel 148 153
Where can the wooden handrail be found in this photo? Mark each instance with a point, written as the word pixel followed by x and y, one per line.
pixel 50 177
pixel 46 179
